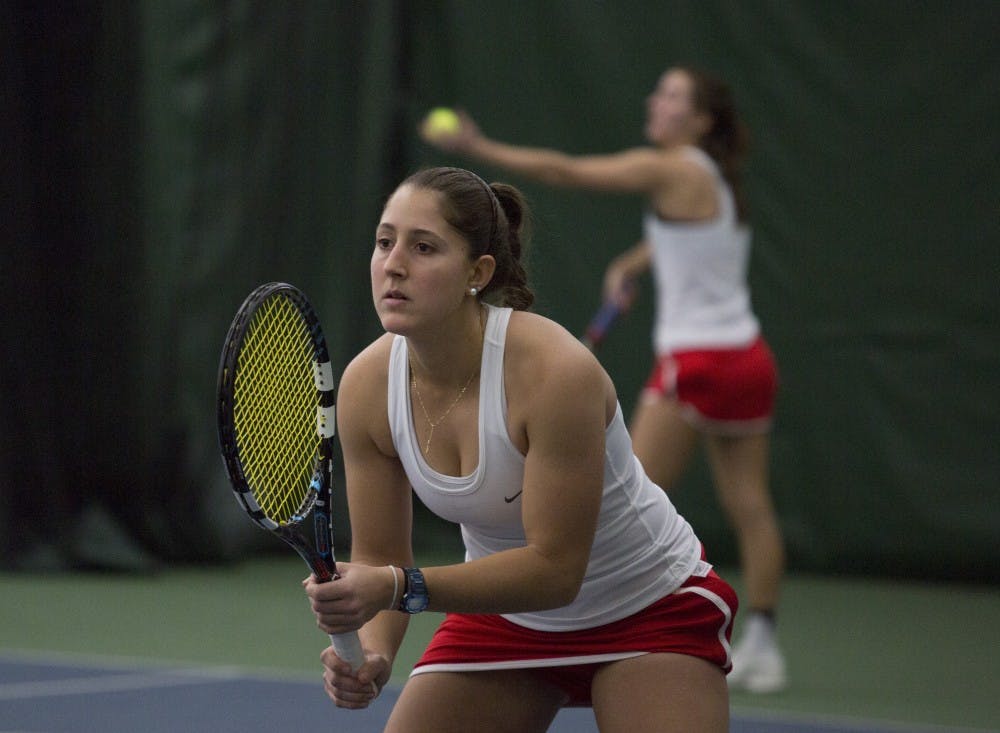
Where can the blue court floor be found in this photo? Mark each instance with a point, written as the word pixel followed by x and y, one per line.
pixel 41 694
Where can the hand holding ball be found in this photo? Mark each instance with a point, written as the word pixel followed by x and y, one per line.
pixel 441 122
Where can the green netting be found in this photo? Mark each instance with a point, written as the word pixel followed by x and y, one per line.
pixel 166 158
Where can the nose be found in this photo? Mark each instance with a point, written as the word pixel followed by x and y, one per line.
pixel 394 263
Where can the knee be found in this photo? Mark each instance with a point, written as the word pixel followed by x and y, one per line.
pixel 748 506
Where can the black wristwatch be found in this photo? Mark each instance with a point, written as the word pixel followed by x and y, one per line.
pixel 414 598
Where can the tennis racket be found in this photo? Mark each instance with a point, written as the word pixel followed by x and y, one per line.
pixel 606 317
pixel 276 415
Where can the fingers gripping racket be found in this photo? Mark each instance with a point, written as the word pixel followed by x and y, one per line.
pixel 276 416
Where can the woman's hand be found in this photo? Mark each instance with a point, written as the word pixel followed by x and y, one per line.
pixel 353 599
pixel 619 287
pixel 462 140
pixel 344 605
pixel 354 690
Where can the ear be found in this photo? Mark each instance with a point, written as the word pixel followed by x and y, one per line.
pixel 482 272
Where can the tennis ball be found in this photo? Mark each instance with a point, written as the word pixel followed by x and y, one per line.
pixel 442 121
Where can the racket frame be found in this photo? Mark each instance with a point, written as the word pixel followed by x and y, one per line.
pixel 319 557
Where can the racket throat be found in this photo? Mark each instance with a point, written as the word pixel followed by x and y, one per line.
pixel 324 568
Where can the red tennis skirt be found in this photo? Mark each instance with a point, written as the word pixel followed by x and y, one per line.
pixel 719 390
pixel 696 619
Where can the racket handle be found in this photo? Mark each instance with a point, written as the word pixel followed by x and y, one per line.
pixel 348 648
pixel 599 325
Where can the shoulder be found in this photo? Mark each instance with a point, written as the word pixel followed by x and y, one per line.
pixel 529 332
pixel 362 398
pixel 543 360
pixel 370 368
pixel 691 163
pixel 670 169
pixel 693 193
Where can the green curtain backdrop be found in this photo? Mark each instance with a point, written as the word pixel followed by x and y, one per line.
pixel 164 158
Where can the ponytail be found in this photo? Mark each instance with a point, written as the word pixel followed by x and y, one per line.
pixel 728 139
pixel 510 280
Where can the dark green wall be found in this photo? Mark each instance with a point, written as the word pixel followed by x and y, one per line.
pixel 167 157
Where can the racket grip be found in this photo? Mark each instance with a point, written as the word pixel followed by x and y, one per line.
pixel 348 648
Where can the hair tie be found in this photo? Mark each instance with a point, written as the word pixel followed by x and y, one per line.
pixel 395 590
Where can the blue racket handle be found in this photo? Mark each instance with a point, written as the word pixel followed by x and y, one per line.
pixel 598 327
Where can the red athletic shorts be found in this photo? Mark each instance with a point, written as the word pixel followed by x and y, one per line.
pixel 719 390
pixel 696 619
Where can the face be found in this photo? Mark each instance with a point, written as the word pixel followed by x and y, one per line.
pixel 420 268
pixel 671 118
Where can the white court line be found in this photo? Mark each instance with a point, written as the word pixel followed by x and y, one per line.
pixel 127 682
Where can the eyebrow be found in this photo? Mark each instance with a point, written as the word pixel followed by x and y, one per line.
pixel 417 232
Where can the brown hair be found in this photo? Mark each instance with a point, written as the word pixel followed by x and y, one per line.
pixel 493 218
pixel 728 139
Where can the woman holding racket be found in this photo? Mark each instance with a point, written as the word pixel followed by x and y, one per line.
pixel 582 584
pixel 714 379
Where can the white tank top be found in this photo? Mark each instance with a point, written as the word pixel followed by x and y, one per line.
pixel 643 548
pixel 702 296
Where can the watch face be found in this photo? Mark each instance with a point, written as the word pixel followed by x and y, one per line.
pixel 415 599
pixel 415 604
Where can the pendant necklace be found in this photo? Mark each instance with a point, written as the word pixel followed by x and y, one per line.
pixel 461 392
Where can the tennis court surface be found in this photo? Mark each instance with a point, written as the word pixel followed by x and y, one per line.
pixel 235 648
pixel 51 696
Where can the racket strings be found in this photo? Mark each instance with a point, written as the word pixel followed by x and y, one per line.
pixel 274 411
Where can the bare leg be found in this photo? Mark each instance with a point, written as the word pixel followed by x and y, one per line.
pixel 740 468
pixel 663 441
pixel 661 693
pixel 458 702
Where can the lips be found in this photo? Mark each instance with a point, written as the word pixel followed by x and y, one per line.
pixel 394 295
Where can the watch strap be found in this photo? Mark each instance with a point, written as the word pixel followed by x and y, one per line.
pixel 415 598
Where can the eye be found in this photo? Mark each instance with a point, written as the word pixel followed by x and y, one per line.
pixel 424 247
pixel 383 243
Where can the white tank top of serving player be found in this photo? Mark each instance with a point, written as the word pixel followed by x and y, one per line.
pixel 702 296
pixel 643 548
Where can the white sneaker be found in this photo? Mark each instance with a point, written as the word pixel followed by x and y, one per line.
pixel 758 664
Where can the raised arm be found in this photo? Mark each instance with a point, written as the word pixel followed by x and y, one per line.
pixel 638 170
pixel 676 186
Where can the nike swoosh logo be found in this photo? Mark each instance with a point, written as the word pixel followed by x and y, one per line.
pixel 509 499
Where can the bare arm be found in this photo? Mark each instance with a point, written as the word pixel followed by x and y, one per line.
pixel 641 170
pixel 625 269
pixel 378 495
pixel 676 186
pixel 381 516
pixel 562 436
pixel 548 371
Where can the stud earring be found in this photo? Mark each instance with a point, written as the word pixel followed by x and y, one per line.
pixel 473 291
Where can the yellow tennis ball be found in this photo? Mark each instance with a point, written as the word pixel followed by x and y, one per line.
pixel 442 121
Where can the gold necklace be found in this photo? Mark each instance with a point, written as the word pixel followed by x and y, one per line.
pixel 413 381
pixel 423 408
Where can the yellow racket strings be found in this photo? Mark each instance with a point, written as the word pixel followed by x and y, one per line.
pixel 274 408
